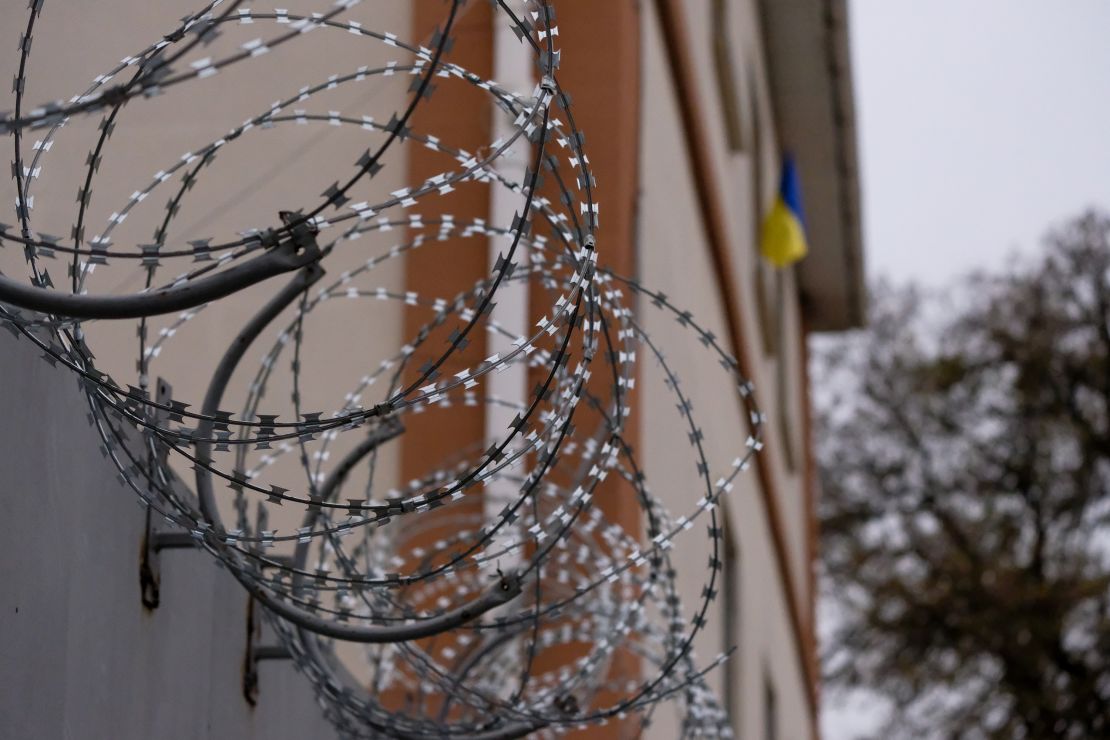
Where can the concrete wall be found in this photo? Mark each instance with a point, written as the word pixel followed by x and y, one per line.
pixel 80 657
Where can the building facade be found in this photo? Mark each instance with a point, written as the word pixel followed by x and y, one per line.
pixel 688 107
pixel 729 88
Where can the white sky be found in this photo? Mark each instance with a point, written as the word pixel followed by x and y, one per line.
pixel 981 123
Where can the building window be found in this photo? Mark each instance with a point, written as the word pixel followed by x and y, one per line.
pixel 770 710
pixel 770 283
pixel 784 405
pixel 730 591
pixel 763 276
pixel 764 279
pixel 728 95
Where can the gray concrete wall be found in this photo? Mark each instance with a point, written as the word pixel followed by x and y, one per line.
pixel 80 657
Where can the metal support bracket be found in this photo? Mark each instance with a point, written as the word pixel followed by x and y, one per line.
pixel 256 653
pixel 150 571
pixel 154 539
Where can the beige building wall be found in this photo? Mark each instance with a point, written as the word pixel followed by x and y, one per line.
pixel 249 181
pixel 291 164
pixel 675 259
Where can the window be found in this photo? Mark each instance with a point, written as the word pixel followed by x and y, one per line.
pixel 730 591
pixel 770 710
pixel 784 405
pixel 763 277
pixel 770 284
pixel 726 77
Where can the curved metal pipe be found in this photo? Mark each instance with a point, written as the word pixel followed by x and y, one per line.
pixel 505 590
pixel 390 428
pixel 288 255
pixel 471 661
pixel 222 376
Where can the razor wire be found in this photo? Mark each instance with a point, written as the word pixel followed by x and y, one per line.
pixel 420 610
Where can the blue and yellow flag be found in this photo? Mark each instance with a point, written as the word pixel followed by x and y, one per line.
pixel 784 229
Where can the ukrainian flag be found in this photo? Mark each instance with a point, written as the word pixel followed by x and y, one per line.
pixel 784 231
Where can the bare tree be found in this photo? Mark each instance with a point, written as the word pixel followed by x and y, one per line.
pixel 965 464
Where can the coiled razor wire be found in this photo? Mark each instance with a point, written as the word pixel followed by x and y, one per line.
pixel 420 611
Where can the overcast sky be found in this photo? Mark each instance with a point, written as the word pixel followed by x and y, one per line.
pixel 981 123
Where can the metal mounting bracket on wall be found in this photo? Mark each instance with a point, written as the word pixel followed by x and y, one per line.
pixel 155 540
pixel 150 572
pixel 256 652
